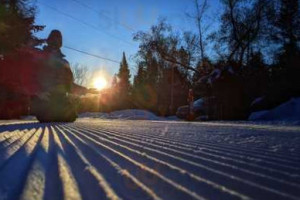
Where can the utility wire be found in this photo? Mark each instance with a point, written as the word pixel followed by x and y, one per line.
pixel 97 56
pixel 90 54
pixel 100 13
pixel 84 23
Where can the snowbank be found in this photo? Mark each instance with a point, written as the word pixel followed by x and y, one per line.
pixel 132 114
pixel 29 117
pixel 289 111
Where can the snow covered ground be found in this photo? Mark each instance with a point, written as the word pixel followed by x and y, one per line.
pixel 132 114
pixel 125 159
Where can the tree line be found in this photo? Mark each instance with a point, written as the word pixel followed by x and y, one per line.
pixel 253 54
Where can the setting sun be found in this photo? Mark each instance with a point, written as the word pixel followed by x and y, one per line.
pixel 100 83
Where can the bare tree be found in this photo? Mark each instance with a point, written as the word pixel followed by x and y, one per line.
pixel 81 74
pixel 166 46
pixel 241 26
pixel 201 9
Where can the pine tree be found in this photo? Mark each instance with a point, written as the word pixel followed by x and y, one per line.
pixel 124 86
pixel 287 34
pixel 139 92
pixel 146 83
pixel 151 70
pixel 114 82
pixel 17 25
pixel 139 78
pixel 124 75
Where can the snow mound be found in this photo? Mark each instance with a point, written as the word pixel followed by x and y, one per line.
pixel 289 111
pixel 132 114
pixel 97 115
pixel 29 117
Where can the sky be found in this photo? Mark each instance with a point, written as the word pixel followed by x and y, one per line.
pixel 106 28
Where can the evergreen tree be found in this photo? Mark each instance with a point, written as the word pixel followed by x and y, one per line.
pixel 17 25
pixel 151 70
pixel 146 83
pixel 255 76
pixel 16 31
pixel 139 88
pixel 286 33
pixel 124 86
pixel 114 83
pixel 140 77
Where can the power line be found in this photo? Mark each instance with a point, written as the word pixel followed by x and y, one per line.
pixel 84 23
pixel 96 56
pixel 100 13
pixel 90 54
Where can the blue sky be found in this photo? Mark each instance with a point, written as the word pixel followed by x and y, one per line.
pixel 107 37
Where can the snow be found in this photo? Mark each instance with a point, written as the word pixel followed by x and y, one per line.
pixel 29 117
pixel 287 112
pixel 134 159
pixel 130 114
pixel 258 115
pixel 134 114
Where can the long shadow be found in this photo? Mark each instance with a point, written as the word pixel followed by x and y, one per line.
pixel 26 125
pixel 53 184
pixel 15 169
pixel 20 126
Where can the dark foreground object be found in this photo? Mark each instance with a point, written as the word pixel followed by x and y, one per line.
pixel 28 73
pixel 57 109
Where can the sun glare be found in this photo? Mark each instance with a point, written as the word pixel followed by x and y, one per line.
pixel 100 83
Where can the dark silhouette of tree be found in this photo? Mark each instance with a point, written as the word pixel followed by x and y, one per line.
pixel 205 67
pixel 166 59
pixel 286 24
pixel 146 82
pixel 140 93
pixel 255 76
pixel 124 86
pixel 17 30
pixel 140 77
pixel 241 27
pixel 152 70
pixel 17 25
pixel 201 9
pixel 114 83
pixel 285 33
pixel 165 45
pixel 124 76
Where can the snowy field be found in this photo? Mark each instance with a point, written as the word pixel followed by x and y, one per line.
pixel 114 159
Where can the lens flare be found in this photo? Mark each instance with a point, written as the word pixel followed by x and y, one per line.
pixel 100 83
